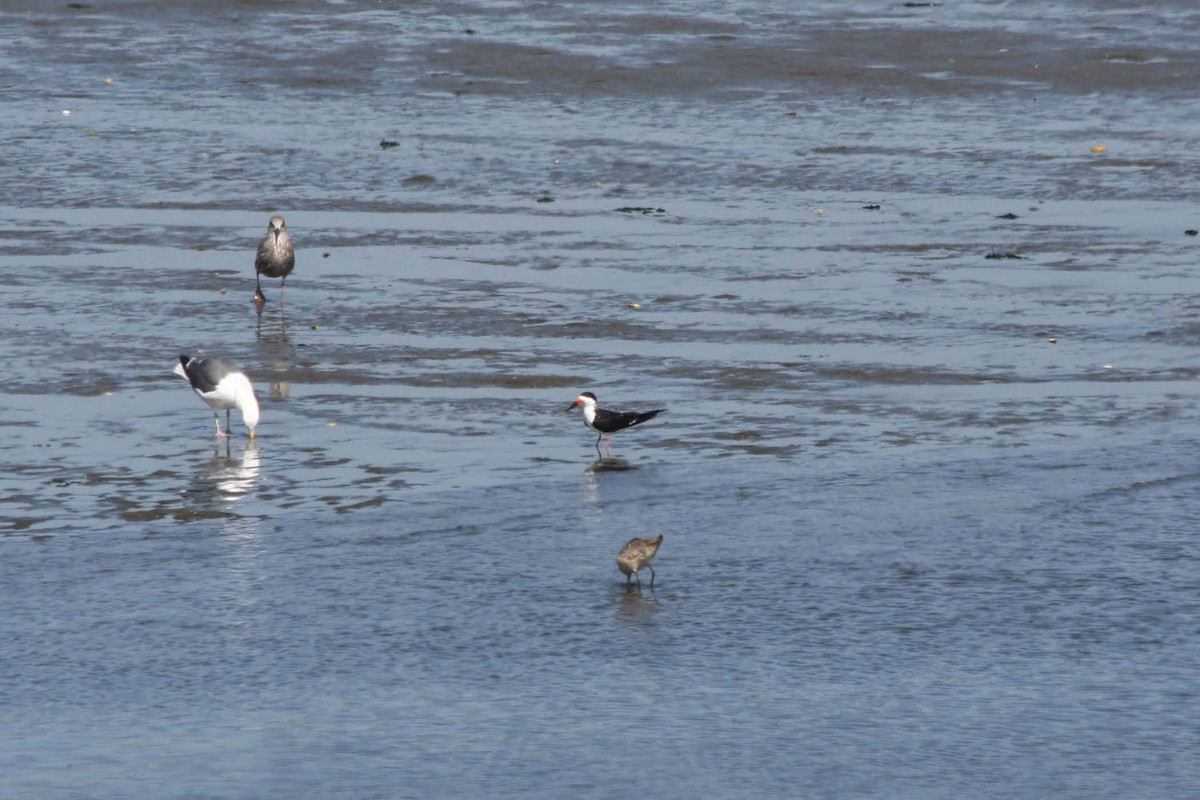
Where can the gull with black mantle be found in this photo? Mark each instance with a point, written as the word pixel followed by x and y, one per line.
pixel 607 423
pixel 222 386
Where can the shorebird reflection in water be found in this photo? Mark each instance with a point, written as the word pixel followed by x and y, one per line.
pixel 233 478
pixel 221 386
pixel 635 556
pixel 607 423
pixel 276 258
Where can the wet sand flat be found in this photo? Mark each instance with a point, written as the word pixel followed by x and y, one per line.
pixel 914 283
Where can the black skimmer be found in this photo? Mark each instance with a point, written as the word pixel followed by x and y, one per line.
pixel 221 385
pixel 606 423
pixel 635 556
pixel 276 258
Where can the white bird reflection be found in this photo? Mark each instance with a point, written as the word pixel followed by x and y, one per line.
pixel 231 478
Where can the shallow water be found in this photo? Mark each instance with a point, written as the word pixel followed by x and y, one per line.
pixel 926 478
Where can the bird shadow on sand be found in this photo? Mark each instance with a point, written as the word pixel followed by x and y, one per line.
pixel 610 465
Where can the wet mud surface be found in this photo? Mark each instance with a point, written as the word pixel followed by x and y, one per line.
pixel 913 284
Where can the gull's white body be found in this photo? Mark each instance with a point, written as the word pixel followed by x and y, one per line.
pixel 221 386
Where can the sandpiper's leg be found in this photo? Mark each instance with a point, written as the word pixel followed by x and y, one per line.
pixel 638 577
pixel 651 575
pixel 629 579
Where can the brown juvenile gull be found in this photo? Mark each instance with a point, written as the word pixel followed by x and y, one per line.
pixel 635 556
pixel 276 258
pixel 605 422
pixel 221 385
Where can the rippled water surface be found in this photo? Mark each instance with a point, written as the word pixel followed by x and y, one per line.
pixel 914 283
